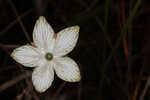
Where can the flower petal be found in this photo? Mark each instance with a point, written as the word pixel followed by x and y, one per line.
pixel 26 55
pixel 43 34
pixel 66 41
pixel 42 77
pixel 67 69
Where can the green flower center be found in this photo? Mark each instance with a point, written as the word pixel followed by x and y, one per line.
pixel 49 56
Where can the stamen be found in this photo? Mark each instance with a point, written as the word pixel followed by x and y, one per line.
pixel 49 56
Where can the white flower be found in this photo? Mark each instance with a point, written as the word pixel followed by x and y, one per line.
pixel 48 55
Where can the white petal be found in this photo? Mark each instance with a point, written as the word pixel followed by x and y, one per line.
pixel 67 69
pixel 42 77
pixel 66 41
pixel 27 55
pixel 43 34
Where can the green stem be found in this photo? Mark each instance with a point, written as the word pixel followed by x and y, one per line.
pixel 124 30
pixel 106 39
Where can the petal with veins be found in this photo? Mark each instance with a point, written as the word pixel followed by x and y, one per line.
pixel 67 69
pixel 43 34
pixel 42 77
pixel 27 55
pixel 66 41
